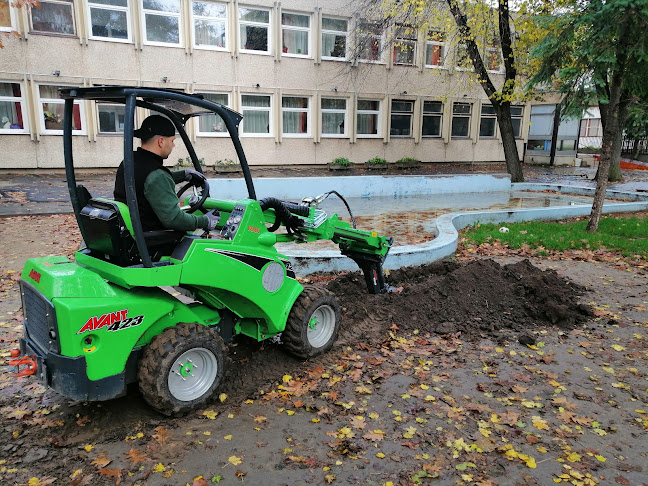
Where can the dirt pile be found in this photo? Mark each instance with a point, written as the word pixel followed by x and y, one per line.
pixel 478 299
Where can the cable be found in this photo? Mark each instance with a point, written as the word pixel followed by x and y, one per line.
pixel 353 222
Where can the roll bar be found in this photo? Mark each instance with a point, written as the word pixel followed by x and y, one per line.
pixel 145 98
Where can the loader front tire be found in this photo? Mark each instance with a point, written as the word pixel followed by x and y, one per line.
pixel 181 368
pixel 313 323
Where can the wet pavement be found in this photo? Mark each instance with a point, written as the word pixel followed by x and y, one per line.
pixel 32 194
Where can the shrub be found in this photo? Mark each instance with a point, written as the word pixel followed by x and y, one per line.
pixel 223 162
pixel 376 161
pixel 342 161
pixel 409 160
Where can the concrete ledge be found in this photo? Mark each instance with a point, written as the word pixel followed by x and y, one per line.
pixel 446 237
pixel 360 186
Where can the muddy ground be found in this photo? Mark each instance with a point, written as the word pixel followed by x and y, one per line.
pixel 487 370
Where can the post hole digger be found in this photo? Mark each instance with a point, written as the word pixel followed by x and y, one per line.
pixel 107 319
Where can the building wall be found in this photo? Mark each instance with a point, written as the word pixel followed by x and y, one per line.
pixel 36 59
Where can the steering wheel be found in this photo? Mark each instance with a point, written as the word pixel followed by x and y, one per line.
pixel 199 197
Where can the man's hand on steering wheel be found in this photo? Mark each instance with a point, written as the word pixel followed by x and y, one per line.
pixel 198 181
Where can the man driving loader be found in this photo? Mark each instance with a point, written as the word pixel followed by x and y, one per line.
pixel 155 184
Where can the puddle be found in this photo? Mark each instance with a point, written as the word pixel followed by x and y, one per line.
pixel 410 219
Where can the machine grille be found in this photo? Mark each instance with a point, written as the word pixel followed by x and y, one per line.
pixel 40 318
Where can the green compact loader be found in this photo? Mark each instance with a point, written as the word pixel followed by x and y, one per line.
pixel 159 307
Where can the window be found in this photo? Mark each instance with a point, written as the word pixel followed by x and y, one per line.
pixel 405 45
pixel 12 108
pixel 487 122
pixel 463 62
pixel 209 24
pixel 111 118
pixel 211 124
pixel 335 34
pixel 256 111
pixel 255 26
pixel 493 57
pixel 591 127
pixel 334 117
pixel 517 113
pixel 162 22
pixel 295 34
pixel 52 108
pixel 295 114
pixel 6 14
pixel 435 50
pixel 54 17
pixel 402 113
pixel 368 118
pixel 109 19
pixel 432 118
pixel 461 120
pixel 370 41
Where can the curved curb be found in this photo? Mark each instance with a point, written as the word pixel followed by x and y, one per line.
pixel 446 236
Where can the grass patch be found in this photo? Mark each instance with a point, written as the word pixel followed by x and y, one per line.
pixel 628 236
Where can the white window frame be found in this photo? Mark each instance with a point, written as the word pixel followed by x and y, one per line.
pixel 381 42
pixel 344 111
pixel 271 128
pixel 197 118
pixel 12 18
pixel 219 19
pixel 58 2
pixel 99 132
pixel 59 101
pixel 160 13
pixel 405 39
pixel 488 116
pixel 297 29
pixel 402 113
pixel 306 110
pixel 498 51
pixel 370 112
pixel 336 33
pixel 101 6
pixel 518 117
pixel 442 44
pixel 438 115
pixel 461 115
pixel 268 27
pixel 23 107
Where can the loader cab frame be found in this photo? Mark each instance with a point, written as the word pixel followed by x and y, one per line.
pixel 179 107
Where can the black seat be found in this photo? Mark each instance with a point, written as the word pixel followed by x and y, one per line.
pixel 107 237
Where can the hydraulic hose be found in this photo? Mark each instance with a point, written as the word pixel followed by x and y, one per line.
pixel 283 214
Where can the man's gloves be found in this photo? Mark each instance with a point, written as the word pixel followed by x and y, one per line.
pixel 213 217
pixel 195 177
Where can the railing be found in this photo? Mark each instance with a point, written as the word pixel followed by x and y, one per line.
pixel 634 147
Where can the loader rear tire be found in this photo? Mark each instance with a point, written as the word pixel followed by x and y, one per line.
pixel 313 323
pixel 181 368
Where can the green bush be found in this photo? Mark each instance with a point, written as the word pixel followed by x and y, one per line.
pixel 376 161
pixel 228 162
pixel 342 161
pixel 408 160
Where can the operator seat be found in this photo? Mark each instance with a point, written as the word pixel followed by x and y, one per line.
pixel 108 238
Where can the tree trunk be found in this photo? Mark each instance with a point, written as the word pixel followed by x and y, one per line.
pixel 615 174
pixel 609 133
pixel 508 142
pixel 554 135
pixel 502 108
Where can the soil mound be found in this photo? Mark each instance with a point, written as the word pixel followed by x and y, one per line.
pixel 478 299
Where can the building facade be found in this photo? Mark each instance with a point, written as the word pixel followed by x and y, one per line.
pixel 313 79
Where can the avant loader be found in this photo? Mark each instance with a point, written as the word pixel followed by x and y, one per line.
pixel 159 307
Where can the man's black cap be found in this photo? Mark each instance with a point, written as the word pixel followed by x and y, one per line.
pixel 155 125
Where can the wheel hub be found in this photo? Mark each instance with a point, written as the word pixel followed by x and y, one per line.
pixel 192 374
pixel 313 323
pixel 186 369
